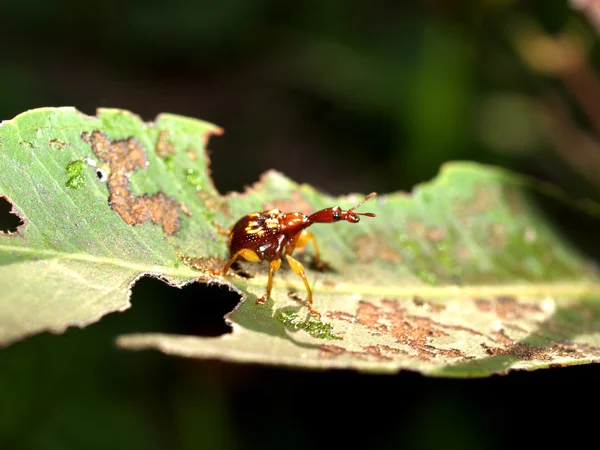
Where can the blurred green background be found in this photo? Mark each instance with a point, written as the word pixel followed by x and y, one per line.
pixel 348 96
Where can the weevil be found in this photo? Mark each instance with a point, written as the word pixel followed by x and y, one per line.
pixel 266 235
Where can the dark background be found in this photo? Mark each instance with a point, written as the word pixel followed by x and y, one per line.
pixel 345 95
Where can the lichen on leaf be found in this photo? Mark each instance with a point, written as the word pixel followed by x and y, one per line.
pixel 464 277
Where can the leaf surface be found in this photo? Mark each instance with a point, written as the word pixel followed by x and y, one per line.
pixel 465 277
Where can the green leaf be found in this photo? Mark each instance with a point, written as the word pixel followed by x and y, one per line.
pixel 104 200
pixel 465 277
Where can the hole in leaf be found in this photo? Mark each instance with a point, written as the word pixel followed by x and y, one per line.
pixel 196 310
pixel 101 175
pixel 9 221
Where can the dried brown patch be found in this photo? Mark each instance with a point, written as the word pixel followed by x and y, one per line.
pixel 514 327
pixel 421 333
pixel 416 227
pixel 528 352
pixel 14 222
pixel 414 331
pixel 497 235
pixel 484 305
pixel 485 197
pixel 191 154
pixel 202 263
pixel 331 351
pixel 463 252
pixel 436 234
pixel 124 157
pixel 57 144
pixel 340 315
pixel 368 353
pixel 164 147
pixel 508 308
pixel 367 248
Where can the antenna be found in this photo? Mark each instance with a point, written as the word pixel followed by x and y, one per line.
pixel 370 196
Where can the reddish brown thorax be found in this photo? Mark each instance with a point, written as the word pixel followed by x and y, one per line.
pixel 294 223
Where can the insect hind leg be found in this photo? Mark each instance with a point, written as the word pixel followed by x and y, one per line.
pixel 298 268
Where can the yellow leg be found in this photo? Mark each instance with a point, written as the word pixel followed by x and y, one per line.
pixel 298 268
pixel 245 253
pixel 306 237
pixel 273 266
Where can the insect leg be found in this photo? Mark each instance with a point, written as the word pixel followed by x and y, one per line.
pixel 306 237
pixel 298 268
pixel 273 266
pixel 245 253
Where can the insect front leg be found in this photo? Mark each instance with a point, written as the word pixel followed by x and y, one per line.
pixel 273 266
pixel 247 254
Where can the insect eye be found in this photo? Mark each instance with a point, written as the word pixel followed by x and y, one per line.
pixel 337 216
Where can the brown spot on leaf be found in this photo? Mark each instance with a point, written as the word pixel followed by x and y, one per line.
pixel 427 338
pixel 530 235
pixel 164 147
pixel 340 315
pixel 416 227
pixel 484 305
pixel 527 352
pixel 11 221
pixel 508 308
pixel 331 351
pixel 124 157
pixel 368 353
pixel 463 252
pixel 201 263
pixel 541 345
pixel 57 144
pixel 484 198
pixel 514 327
pixel 436 234
pixel 416 332
pixel 367 248
pixel 191 153
pixel 497 235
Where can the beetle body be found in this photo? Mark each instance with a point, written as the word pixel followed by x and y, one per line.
pixel 267 235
